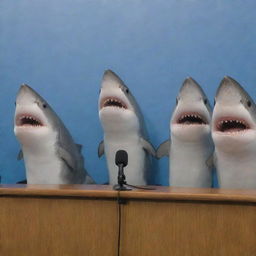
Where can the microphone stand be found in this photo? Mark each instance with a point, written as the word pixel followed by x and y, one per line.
pixel 121 180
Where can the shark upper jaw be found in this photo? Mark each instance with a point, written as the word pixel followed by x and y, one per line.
pixel 190 126
pixel 190 122
pixel 116 113
pixel 231 121
pixel 31 128
pixel 113 102
pixel 26 120
pixel 233 133
pixel 190 118
pixel 233 129
pixel 231 125
pixel 30 120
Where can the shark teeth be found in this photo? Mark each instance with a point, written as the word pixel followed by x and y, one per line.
pixel 232 125
pixel 113 102
pixel 189 119
pixel 28 120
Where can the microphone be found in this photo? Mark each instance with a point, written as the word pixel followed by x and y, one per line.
pixel 121 158
pixel 121 161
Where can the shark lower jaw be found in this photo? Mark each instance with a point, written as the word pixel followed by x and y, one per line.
pixel 28 121
pixel 190 126
pixel 231 142
pixel 190 133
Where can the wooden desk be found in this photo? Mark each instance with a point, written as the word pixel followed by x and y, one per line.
pixel 58 220
pixel 83 220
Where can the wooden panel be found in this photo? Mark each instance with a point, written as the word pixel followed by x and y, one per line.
pixel 195 194
pixel 106 191
pixel 88 191
pixel 78 220
pixel 188 228
pixel 57 227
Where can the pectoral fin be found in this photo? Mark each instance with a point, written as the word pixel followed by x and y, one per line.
pixel 148 147
pixel 20 155
pixel 211 161
pixel 79 147
pixel 163 149
pixel 89 180
pixel 22 182
pixel 67 158
pixel 101 149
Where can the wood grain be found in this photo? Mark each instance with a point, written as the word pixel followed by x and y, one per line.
pixel 188 229
pixel 87 191
pixel 106 191
pixel 79 220
pixel 41 226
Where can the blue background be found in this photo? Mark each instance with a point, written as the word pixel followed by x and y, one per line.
pixel 61 48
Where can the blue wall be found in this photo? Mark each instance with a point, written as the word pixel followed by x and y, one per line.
pixel 61 48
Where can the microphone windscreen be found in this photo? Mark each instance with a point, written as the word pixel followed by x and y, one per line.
pixel 121 157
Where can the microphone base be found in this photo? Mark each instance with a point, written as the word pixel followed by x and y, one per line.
pixel 121 188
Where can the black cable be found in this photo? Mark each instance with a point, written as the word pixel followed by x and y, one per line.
pixel 146 188
pixel 119 222
pixel 119 213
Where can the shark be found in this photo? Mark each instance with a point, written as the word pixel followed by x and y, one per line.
pixel 50 154
pixel 190 146
pixel 234 136
pixel 124 129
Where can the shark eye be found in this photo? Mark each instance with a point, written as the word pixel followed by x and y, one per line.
pixel 205 101
pixel 127 90
pixel 249 103
pixel 176 101
pixel 15 103
pixel 44 105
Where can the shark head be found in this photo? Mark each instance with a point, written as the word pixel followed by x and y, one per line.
pixel 192 115
pixel 34 118
pixel 234 117
pixel 118 109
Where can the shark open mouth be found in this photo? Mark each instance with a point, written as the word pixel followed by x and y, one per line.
pixel 231 125
pixel 28 120
pixel 190 119
pixel 113 102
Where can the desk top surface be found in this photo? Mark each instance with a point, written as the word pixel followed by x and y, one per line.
pixel 106 191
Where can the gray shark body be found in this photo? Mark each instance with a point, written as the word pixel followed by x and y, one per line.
pixel 190 143
pixel 234 136
pixel 124 129
pixel 49 152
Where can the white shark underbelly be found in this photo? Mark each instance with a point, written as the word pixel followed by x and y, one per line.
pixel 188 164
pixel 236 171
pixel 43 169
pixel 135 170
pixel 43 165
